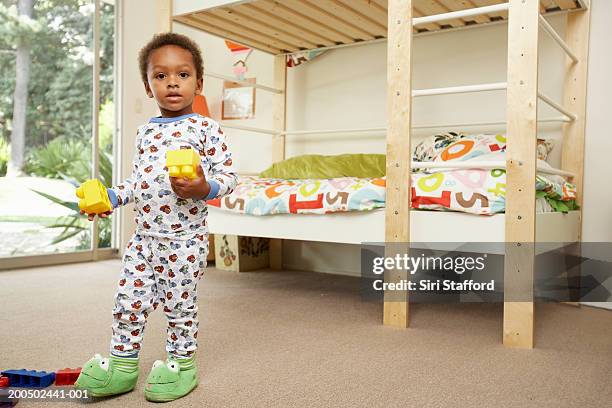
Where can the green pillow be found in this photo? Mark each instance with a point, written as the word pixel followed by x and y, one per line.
pixel 323 167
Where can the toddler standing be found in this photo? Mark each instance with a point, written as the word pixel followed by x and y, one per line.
pixel 165 257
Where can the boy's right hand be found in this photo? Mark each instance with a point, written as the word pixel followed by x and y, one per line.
pixel 91 217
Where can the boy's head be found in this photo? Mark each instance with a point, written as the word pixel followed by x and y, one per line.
pixel 172 71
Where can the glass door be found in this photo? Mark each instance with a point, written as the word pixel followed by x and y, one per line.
pixel 56 126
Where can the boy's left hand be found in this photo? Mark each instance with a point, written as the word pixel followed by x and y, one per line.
pixel 197 188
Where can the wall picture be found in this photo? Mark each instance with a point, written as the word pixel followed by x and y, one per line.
pixel 238 100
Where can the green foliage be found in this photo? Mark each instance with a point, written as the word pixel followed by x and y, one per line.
pixel 61 71
pixel 59 119
pixel 78 172
pixel 105 132
pixel 5 152
pixel 70 159
pixel 14 27
pixel 62 156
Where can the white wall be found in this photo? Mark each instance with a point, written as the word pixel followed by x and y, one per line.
pixel 138 22
pixel 597 217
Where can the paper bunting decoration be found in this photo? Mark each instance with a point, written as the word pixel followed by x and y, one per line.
pixel 240 53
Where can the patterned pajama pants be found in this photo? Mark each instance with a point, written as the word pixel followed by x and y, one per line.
pixel 159 271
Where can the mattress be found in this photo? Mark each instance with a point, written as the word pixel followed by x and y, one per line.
pixel 357 227
pixel 475 191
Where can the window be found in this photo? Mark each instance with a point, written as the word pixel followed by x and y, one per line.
pixel 50 80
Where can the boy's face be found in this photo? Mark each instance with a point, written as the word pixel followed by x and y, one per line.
pixel 172 80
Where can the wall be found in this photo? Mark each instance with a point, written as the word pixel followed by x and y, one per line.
pixel 134 108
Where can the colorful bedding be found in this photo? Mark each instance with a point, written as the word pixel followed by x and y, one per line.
pixel 474 191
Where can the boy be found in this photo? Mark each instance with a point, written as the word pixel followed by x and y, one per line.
pixel 163 260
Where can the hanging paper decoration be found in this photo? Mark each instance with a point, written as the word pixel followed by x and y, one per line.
pixel 240 53
pixel 299 58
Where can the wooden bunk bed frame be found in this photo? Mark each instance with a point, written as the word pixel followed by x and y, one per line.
pixel 287 26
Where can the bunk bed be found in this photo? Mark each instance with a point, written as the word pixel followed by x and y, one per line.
pixel 289 26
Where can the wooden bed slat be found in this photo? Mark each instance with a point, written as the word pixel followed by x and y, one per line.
pixel 318 14
pixel 247 31
pixel 482 3
pixel 349 13
pixel 222 32
pixel 370 9
pixel 284 24
pixel 383 4
pixel 548 4
pixel 456 5
pixel 431 7
pixel 559 4
pixel 344 16
pixel 566 4
pixel 293 25
pixel 268 28
pixel 429 26
pixel 304 21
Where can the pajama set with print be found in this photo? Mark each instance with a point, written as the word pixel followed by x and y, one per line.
pixel 165 258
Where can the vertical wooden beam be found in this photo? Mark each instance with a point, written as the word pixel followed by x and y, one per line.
pixel 399 110
pixel 522 112
pixel 575 93
pixel 280 104
pixel 577 36
pixel 278 141
pixel 164 12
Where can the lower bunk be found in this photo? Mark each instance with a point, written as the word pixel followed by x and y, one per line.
pixel 457 199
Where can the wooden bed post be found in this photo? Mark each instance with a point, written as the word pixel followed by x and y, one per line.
pixel 575 92
pixel 577 38
pixel 520 235
pixel 399 109
pixel 278 141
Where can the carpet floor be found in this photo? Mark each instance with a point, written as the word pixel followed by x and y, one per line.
pixel 301 339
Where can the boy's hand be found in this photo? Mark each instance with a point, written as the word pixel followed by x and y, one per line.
pixel 197 188
pixel 91 217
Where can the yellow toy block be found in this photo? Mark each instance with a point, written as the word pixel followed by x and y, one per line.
pixel 93 197
pixel 182 163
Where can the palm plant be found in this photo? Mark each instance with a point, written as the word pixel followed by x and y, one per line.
pixel 75 224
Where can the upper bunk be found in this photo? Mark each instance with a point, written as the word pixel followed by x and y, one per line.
pixel 288 26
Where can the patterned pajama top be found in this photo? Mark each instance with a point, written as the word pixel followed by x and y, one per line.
pixel 160 212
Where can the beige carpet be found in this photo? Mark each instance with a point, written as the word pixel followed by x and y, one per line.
pixel 298 339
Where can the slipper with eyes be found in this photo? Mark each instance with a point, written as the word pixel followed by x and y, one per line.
pixel 171 380
pixel 102 377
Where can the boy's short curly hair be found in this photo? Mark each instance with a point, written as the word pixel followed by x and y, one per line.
pixel 160 40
